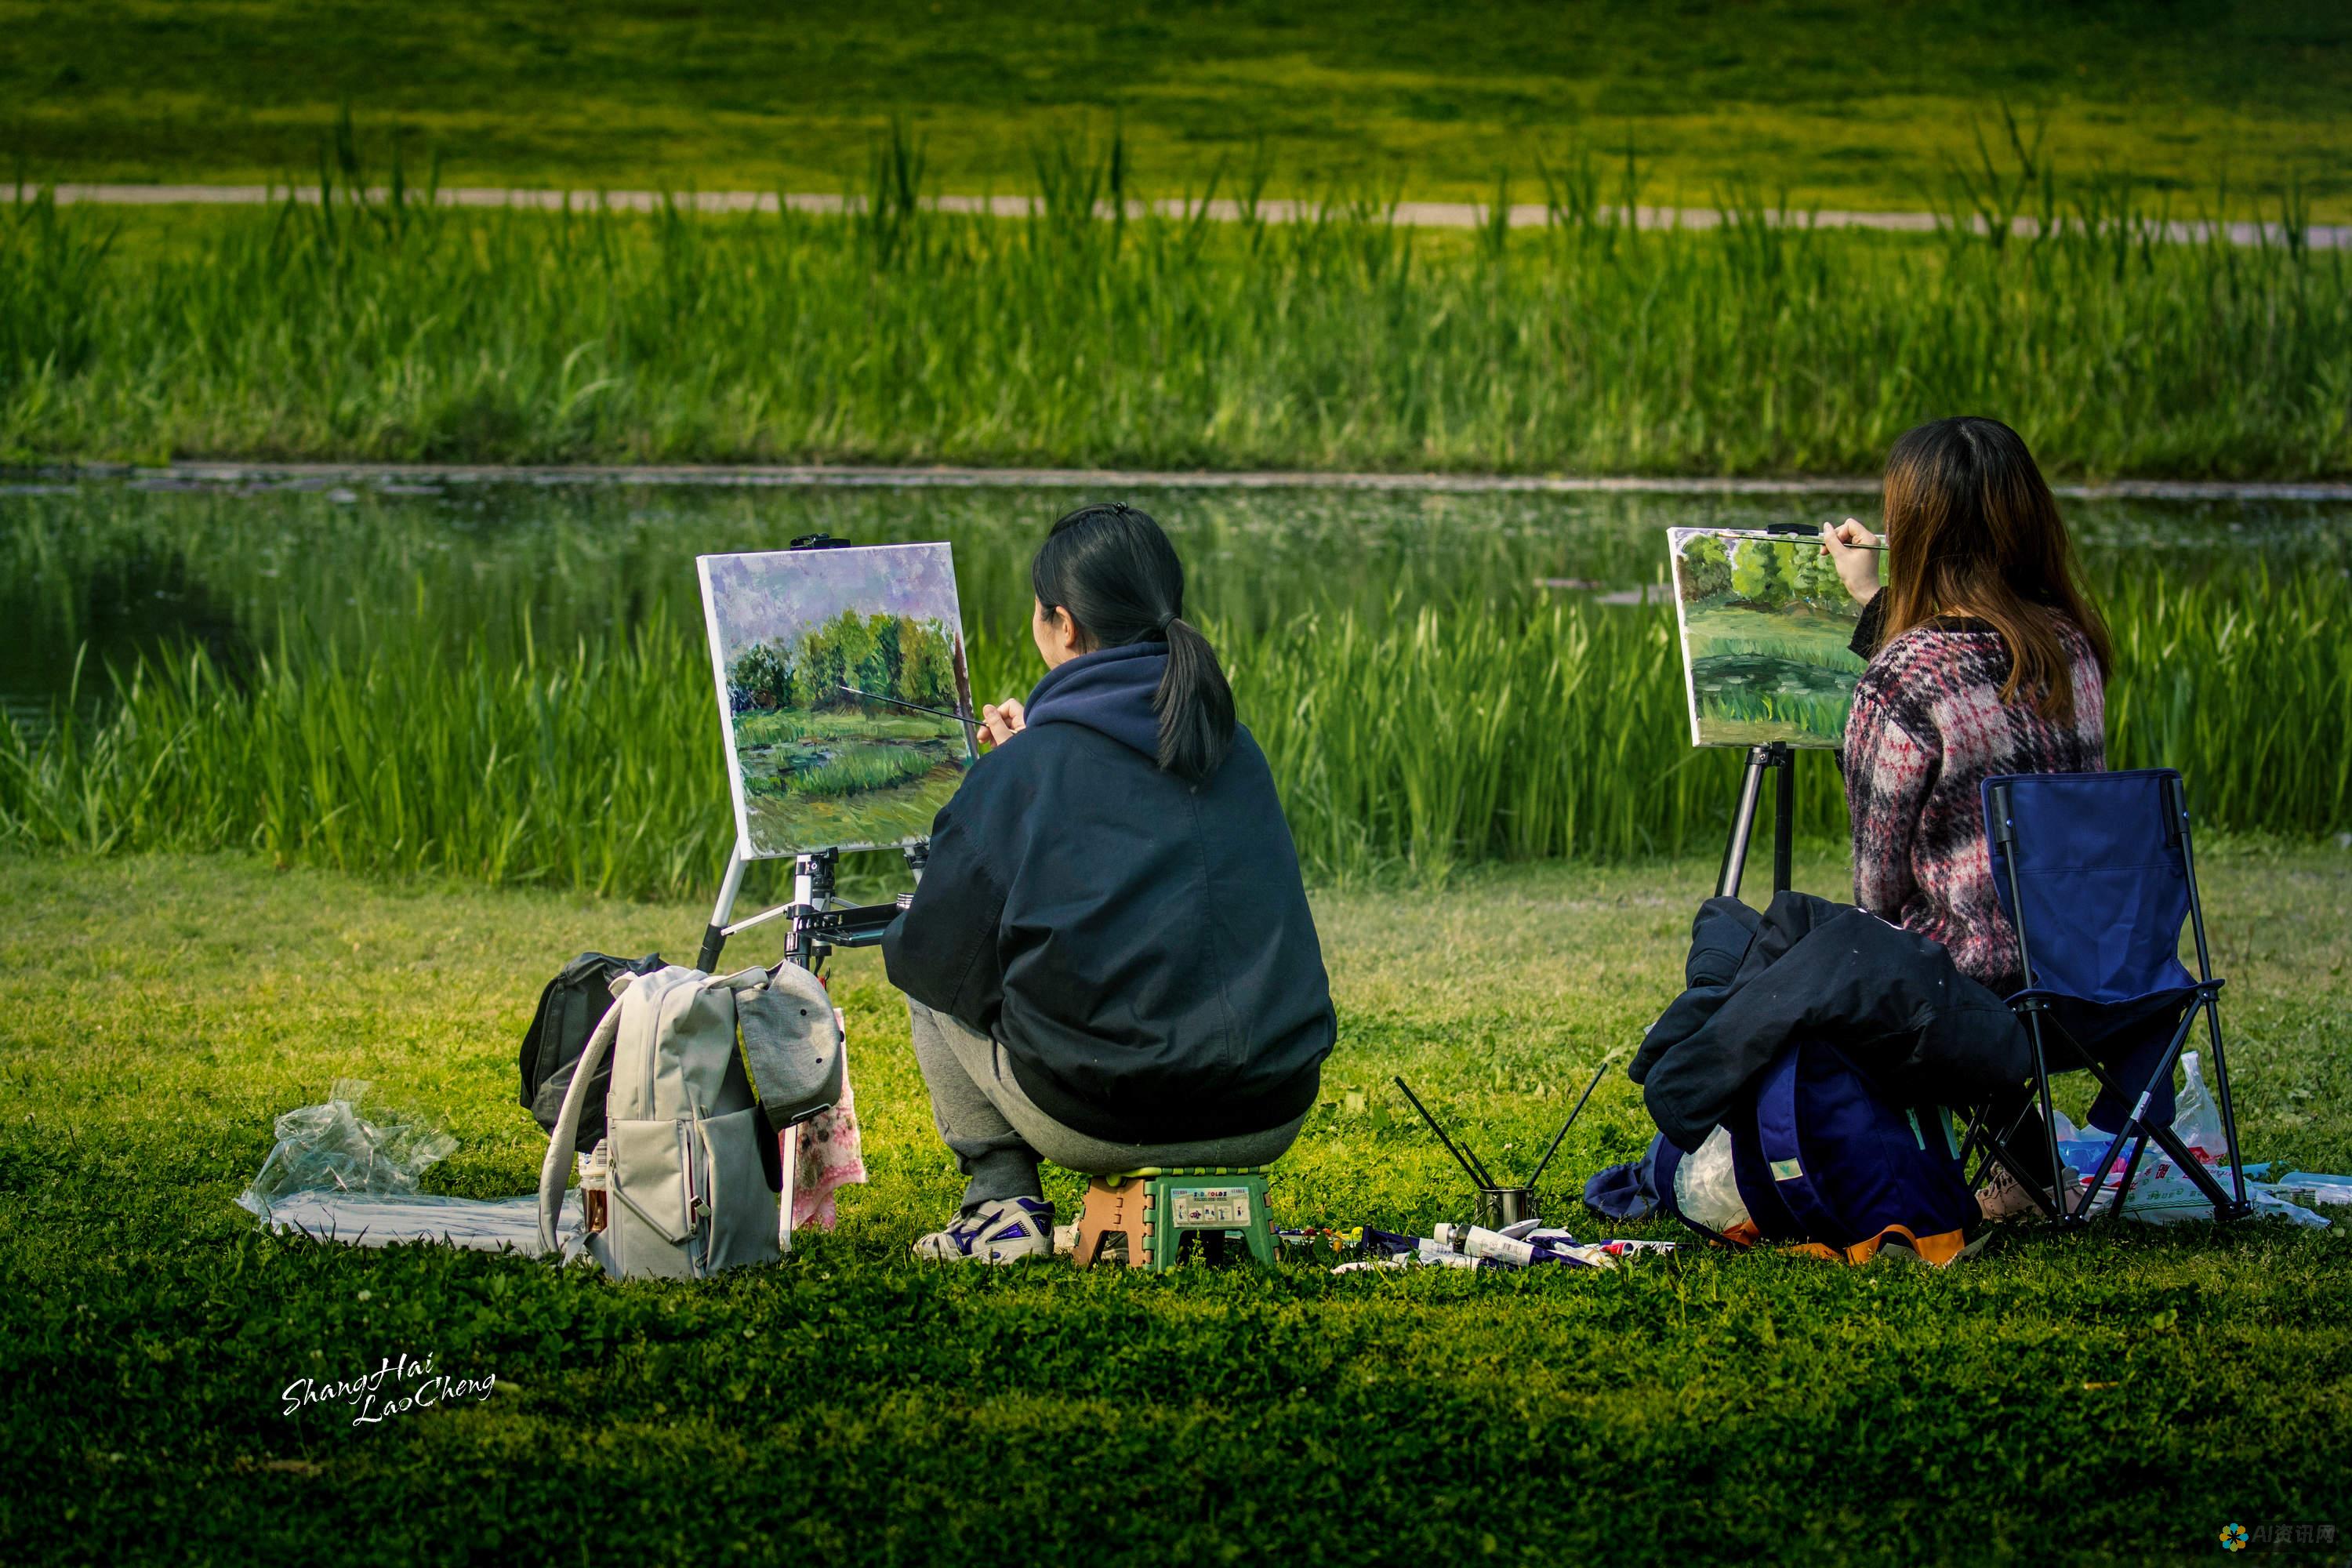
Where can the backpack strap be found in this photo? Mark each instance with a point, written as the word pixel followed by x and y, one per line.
pixel 1776 1134
pixel 556 1168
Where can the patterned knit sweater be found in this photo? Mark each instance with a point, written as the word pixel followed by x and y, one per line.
pixel 1927 729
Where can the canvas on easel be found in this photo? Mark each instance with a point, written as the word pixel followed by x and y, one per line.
pixel 1766 625
pixel 822 660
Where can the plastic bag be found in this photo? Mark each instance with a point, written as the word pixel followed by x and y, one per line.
pixel 1706 1190
pixel 2159 1193
pixel 2162 1195
pixel 2195 1119
pixel 352 1144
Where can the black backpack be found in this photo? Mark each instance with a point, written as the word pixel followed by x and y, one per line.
pixel 568 1010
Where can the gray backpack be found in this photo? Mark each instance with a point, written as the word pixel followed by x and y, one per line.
pixel 677 1188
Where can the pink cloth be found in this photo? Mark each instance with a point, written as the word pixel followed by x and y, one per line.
pixel 830 1156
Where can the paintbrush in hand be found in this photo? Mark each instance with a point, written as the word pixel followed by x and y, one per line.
pixel 895 702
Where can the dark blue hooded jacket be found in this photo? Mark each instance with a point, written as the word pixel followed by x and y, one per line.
pixel 1140 946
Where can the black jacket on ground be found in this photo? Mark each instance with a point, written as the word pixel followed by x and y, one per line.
pixel 1892 1000
pixel 1142 947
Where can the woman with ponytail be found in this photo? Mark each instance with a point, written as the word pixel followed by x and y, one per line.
pixel 1109 962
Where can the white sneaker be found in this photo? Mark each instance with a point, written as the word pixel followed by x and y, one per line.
pixel 1004 1231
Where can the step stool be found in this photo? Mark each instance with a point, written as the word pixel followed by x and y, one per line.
pixel 1157 1209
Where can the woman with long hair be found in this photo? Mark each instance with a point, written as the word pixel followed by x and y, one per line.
pixel 1109 962
pixel 1985 657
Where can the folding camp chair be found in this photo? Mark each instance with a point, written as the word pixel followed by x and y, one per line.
pixel 2096 874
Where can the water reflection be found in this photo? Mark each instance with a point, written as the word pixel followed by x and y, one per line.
pixel 126 569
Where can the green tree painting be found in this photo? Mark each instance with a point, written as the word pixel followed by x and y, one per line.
pixel 1816 581
pixel 1763 572
pixel 1766 625
pixel 1705 567
pixel 817 652
pixel 882 656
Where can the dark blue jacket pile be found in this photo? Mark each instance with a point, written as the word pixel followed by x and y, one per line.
pixel 1142 947
pixel 1890 999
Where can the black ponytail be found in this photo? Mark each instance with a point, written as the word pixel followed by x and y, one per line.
pixel 1113 570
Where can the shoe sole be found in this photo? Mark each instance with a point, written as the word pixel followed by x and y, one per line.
pixel 985 1255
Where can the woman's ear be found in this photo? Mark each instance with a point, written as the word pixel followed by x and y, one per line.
pixel 1057 632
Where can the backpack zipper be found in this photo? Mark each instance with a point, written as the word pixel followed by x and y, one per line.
pixel 693 1197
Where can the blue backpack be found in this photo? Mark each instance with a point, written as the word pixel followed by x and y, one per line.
pixel 1820 1162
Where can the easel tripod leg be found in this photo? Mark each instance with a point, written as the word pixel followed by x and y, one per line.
pixel 714 937
pixel 1780 759
pixel 1743 826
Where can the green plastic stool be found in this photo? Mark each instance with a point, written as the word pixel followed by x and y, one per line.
pixel 1157 1210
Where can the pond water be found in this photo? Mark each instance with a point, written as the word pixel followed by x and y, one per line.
pixel 103 570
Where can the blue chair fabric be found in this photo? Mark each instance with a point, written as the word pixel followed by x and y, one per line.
pixel 2098 875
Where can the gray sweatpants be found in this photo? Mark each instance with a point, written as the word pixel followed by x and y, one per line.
pixel 998 1134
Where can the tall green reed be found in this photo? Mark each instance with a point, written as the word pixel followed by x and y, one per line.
pixel 366 327
pixel 1404 745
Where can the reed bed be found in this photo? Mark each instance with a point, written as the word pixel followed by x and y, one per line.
pixel 1407 745
pixel 858 768
pixel 362 328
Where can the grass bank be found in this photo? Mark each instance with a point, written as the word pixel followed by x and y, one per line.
pixel 2143 1386
pixel 396 331
pixel 1844 104
pixel 1417 741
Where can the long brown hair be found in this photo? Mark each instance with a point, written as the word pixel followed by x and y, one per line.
pixel 1972 529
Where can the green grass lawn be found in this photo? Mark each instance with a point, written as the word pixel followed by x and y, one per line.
pixel 2117 1399
pixel 1844 104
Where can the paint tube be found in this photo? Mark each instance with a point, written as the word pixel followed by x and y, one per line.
pixel 1363 1264
pixel 1477 1241
pixel 1323 1235
pixel 1444 1256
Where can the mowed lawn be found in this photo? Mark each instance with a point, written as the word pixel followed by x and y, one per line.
pixel 2117 1399
pixel 1841 104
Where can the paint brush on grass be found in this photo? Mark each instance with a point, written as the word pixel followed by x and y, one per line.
pixel 1469 1163
pixel 895 702
pixel 1569 1123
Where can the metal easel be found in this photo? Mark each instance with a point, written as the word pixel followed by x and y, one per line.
pixel 817 925
pixel 1780 759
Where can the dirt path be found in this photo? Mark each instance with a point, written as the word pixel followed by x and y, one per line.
pixel 782 475
pixel 1419 214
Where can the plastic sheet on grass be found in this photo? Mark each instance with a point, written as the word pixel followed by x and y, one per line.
pixel 348 1170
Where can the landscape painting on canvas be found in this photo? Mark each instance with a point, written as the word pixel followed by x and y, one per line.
pixel 805 645
pixel 1765 628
